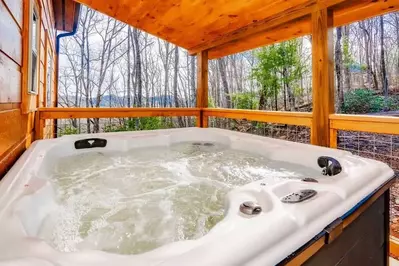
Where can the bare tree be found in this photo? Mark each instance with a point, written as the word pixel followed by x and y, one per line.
pixel 383 69
pixel 338 70
pixel 222 70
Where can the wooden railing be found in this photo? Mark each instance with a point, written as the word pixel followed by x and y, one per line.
pixel 289 118
pixel 362 123
pixel 69 113
pixel 202 114
pixel 62 113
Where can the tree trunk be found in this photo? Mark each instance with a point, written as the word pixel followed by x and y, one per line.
pixel 129 88
pixel 262 101
pixel 192 79
pixel 383 68
pixel 139 80
pixel 176 72
pixel 396 18
pixel 338 68
pixel 284 92
pixel 166 69
pixel 347 74
pixel 275 97
pixel 367 40
pixel 222 70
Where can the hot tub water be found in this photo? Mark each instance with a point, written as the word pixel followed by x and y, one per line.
pixel 133 202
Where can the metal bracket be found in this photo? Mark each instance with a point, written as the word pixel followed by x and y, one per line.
pixel 333 230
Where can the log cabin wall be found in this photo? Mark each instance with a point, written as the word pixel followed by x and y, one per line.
pixel 17 106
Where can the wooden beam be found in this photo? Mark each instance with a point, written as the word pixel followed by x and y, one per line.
pixel 266 24
pixel 347 12
pixel 365 123
pixel 353 11
pixel 63 113
pixel 290 118
pixel 202 86
pixel 322 76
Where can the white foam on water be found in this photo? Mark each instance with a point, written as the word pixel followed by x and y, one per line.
pixel 133 202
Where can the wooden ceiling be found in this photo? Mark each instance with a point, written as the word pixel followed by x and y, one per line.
pixel 66 13
pixel 225 27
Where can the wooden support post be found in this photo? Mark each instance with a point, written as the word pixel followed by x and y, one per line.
pixel 323 75
pixel 39 126
pixel 333 138
pixel 202 87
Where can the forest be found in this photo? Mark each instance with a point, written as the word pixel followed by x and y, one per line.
pixel 110 64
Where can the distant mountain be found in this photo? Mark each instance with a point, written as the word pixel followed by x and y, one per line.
pixel 112 100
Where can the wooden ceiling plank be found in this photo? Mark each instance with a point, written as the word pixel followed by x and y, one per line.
pixel 366 9
pixel 344 14
pixel 267 23
pixel 69 15
pixel 230 26
pixel 226 20
pixel 259 26
pixel 293 29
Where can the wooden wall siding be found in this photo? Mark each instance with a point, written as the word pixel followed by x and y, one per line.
pixel 10 80
pixel 16 109
pixel 15 8
pixel 48 20
pixel 13 128
pixel 10 40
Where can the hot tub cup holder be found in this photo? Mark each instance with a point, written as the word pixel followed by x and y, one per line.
pixel 250 208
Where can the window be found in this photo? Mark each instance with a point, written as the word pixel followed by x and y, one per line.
pixel 49 86
pixel 34 51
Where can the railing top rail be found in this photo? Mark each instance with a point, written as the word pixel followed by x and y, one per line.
pixel 261 112
pixel 59 113
pixel 278 117
pixel 111 109
pixel 365 123
pixel 365 118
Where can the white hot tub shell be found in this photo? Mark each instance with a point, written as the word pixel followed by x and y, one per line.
pixel 27 197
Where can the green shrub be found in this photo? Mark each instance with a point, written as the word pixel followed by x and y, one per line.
pixel 245 100
pixel 143 123
pixel 362 101
pixel 68 130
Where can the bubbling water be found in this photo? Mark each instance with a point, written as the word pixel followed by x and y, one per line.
pixel 133 202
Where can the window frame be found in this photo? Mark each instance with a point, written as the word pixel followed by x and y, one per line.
pixel 49 79
pixel 34 80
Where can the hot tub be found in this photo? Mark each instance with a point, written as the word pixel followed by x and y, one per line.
pixel 278 200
